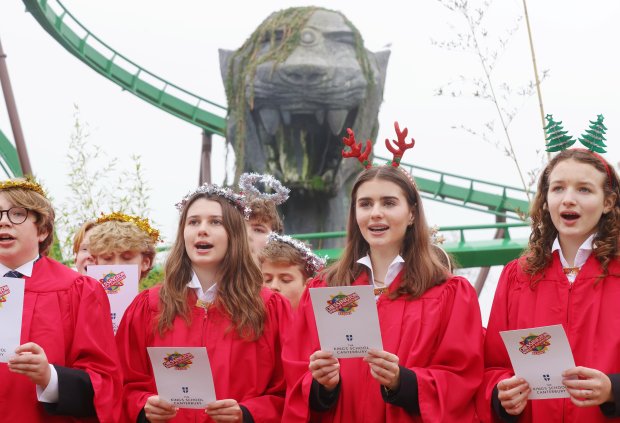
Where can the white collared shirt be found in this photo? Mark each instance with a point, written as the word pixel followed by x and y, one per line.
pixel 583 253
pixel 25 269
pixel 50 393
pixel 393 269
pixel 207 296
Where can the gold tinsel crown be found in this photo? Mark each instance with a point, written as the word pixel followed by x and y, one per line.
pixel 141 223
pixel 22 183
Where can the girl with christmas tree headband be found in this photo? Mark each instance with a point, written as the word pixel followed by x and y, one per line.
pixel 569 275
pixel 430 319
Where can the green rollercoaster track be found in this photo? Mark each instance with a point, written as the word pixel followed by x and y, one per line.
pixel 9 162
pixel 502 201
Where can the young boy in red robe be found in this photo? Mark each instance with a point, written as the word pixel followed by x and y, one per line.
pixel 212 296
pixel 287 266
pixel 431 365
pixel 67 367
pixel 570 275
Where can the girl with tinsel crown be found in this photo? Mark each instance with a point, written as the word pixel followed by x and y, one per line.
pixel 212 296
pixel 570 275
pixel 430 319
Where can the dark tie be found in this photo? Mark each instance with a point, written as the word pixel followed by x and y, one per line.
pixel 13 274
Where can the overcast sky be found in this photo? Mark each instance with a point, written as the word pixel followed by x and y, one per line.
pixel 573 40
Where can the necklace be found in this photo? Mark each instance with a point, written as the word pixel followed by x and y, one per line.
pixel 571 270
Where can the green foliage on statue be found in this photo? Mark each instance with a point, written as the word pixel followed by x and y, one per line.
pixel 301 78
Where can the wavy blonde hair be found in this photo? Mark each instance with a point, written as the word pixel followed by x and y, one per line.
pixel 241 280
pixel 538 255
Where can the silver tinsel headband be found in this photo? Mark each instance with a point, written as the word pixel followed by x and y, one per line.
pixel 233 198
pixel 314 263
pixel 247 185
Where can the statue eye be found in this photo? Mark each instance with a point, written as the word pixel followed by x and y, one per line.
pixel 308 36
pixel 345 37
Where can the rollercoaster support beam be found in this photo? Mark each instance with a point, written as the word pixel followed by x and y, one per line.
pixel 9 98
pixel 205 159
pixel 484 271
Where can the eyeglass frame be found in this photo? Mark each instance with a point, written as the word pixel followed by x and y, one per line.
pixel 8 215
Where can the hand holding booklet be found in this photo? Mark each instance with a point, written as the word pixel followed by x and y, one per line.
pixel 183 375
pixel 347 320
pixel 540 355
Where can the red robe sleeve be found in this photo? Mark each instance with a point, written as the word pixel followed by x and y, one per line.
pixel 132 338
pixel 92 349
pixel 448 382
pixel 302 342
pixel 268 406
pixel 496 361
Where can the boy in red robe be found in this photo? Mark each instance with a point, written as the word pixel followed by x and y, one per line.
pixel 67 367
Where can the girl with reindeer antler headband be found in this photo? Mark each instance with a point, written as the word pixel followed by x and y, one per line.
pixel 569 275
pixel 430 320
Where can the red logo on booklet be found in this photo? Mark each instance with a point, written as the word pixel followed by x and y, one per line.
pixel 178 361
pixel 536 344
pixel 112 282
pixel 342 304
pixel 4 292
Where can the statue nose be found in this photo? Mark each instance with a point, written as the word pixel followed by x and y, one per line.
pixel 303 74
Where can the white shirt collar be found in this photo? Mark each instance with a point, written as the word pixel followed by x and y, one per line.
pixel 583 253
pixel 25 269
pixel 393 270
pixel 208 295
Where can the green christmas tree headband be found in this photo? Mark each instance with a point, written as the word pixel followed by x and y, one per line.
pixel 593 139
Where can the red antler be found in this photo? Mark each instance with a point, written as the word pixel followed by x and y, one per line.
pixel 401 144
pixel 356 149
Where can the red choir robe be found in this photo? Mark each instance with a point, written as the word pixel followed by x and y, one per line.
pixel 68 315
pixel 438 336
pixel 247 371
pixel 589 311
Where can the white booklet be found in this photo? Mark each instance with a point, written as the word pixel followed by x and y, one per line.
pixel 183 375
pixel 11 310
pixel 120 282
pixel 540 355
pixel 347 320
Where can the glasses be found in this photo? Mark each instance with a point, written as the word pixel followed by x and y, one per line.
pixel 16 215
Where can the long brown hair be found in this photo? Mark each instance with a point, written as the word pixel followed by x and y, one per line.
pixel 538 255
pixel 422 270
pixel 238 291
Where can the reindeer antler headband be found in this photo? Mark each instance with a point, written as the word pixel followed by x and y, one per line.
pixel 398 149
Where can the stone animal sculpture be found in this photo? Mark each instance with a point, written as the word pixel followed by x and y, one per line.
pixel 293 88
